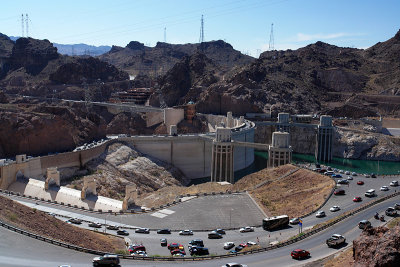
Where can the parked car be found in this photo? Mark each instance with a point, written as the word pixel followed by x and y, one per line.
pixel 246 229
pixel 142 231
pixel 141 253
pixel 75 221
pixel 353 174
pixel 178 252
pixel 335 240
pixel 228 245
pixel 320 214
pixel 164 231
pixel 334 208
pixel 95 225
pixel 394 183
pixel 234 264
pixel 367 175
pixel 186 232
pixel 122 232
pixel 357 199
pixel 196 242
pixel 173 246
pixel 112 227
pixel 391 211
pixel 347 173
pixel 397 206
pixel 364 224
pixel 339 191
pixel 106 259
pixel 134 249
pixel 384 188
pixel 300 254
pixel 373 175
pixel 349 177
pixel 343 181
pixel 360 182
pixel 214 235
pixel 337 176
pixel 198 251
pixel 220 231
pixel 163 242
pixel 294 221
pixel 251 243
pixel 341 171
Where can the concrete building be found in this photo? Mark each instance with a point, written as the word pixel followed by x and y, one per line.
pixel 283 123
pixel 280 151
pixel 324 139
pixel 222 156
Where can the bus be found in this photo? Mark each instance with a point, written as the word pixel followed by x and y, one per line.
pixel 275 222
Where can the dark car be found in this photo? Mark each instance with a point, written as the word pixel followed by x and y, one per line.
pixel 220 231
pixel 75 221
pixel 95 225
pixel 174 246
pixel 300 254
pixel 122 232
pixel 339 192
pixel 164 231
pixel 106 260
pixel 142 231
pixel 214 235
pixel 197 243
pixel 391 212
pixel 198 251
pixel 373 175
pixel 163 242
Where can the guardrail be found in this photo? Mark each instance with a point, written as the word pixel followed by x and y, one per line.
pixel 286 243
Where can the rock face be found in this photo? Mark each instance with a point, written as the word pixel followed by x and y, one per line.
pixel 87 70
pixel 121 165
pixel 377 247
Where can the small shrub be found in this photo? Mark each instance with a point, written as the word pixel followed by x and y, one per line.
pixel 121 252
pixel 12 217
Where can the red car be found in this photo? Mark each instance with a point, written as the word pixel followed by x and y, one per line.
pixel 357 199
pixel 339 192
pixel 174 246
pixel 360 182
pixel 300 254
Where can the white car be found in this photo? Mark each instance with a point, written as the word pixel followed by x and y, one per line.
pixel 341 171
pixel 384 188
pixel 186 232
pixel 229 245
pixel 246 229
pixel 234 264
pixel 349 177
pixel 251 243
pixel 320 214
pixel 334 208
pixel 394 183
pixel 347 173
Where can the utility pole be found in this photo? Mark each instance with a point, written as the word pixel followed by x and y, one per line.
pixel 271 39
pixel 22 25
pixel 27 25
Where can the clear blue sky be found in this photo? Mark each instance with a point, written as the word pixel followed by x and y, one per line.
pixel 245 24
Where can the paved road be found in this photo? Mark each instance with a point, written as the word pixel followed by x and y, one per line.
pixel 38 253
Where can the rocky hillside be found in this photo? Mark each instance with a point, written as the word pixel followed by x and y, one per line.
pixel 136 58
pixel 121 165
pixel 378 246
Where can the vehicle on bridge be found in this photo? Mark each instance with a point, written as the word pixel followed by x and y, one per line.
pixel 335 240
pixel 275 222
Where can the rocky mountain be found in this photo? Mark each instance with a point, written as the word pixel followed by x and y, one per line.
pixel 136 58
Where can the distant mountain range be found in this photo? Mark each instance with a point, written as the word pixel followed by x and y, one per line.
pixel 77 49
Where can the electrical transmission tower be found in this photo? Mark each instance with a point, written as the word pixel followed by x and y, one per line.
pixel 22 25
pixel 165 34
pixel 271 38
pixel 27 25
pixel 201 40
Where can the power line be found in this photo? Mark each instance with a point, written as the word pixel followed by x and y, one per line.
pixel 271 38
pixel 201 40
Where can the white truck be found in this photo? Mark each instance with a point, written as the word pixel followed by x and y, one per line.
pixel 335 240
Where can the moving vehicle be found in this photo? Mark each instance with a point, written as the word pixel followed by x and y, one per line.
pixel 364 224
pixel 357 199
pixel 142 231
pixel 300 254
pixel 335 240
pixel 163 242
pixel 397 206
pixel 246 229
pixel 320 214
pixel 349 177
pixel 360 182
pixel 95 225
pixel 198 251
pixel 164 231
pixel 329 173
pixel 220 231
pixel 122 232
pixel 343 181
pixel 228 245
pixel 186 232
pixel 294 221
pixel 334 208
pixel 234 264
pixel 275 222
pixel 75 221
pixel 394 183
pixel 214 235
pixel 337 176
pixel 106 259
pixel 112 227
pixel 384 188
pixel 370 193
pixel 339 191
pixel 391 211
pixel 197 243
